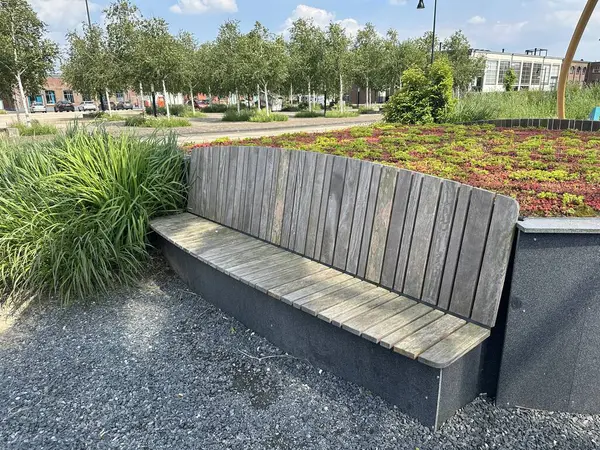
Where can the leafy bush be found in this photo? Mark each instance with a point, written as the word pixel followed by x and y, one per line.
pixel 135 121
pixel 3 111
pixel 105 116
pixel 175 110
pixel 36 129
pixel 366 110
pixel 231 115
pixel 157 122
pixel 308 114
pixel 335 114
pixel 74 211
pixel 215 108
pixel 423 97
pixel 261 116
pixel 510 77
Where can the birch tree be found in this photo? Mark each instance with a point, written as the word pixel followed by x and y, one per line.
pixel 337 59
pixel 370 58
pixel 26 57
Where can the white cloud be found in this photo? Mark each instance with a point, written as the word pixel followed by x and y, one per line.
pixel 507 29
pixel 204 6
pixel 477 20
pixel 62 15
pixel 321 18
pixel 398 2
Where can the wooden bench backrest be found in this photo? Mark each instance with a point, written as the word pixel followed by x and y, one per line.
pixel 444 243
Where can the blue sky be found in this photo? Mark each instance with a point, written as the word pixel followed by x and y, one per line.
pixel 514 25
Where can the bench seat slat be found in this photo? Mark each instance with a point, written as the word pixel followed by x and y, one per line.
pixel 365 307
pixel 315 306
pixel 391 339
pixel 260 263
pixel 296 285
pixel 351 304
pixel 391 324
pixel 294 274
pixel 362 322
pixel 333 288
pixel 329 283
pixel 415 344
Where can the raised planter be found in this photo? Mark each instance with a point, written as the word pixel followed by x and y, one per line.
pixel 549 124
pixel 551 352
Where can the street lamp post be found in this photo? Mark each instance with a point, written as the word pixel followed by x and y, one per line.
pixel 421 5
pixel 87 8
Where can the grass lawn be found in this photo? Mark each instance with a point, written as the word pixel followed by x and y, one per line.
pixel 550 173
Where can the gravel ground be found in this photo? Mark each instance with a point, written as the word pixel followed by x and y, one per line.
pixel 157 367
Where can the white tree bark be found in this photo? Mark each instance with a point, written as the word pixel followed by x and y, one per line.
pixel 237 100
pixel 25 105
pixel 368 94
pixel 291 94
pixel 267 99
pixel 143 105
pixel 108 102
pixel 258 92
pixel 341 93
pixel 192 101
pixel 165 95
pixel 309 97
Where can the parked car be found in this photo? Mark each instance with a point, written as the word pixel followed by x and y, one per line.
pixel 64 105
pixel 124 105
pixel 199 104
pixel 87 106
pixel 38 107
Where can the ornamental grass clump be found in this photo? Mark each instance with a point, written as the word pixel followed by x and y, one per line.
pixel 74 211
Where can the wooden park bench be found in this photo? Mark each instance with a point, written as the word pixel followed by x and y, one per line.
pixel 389 278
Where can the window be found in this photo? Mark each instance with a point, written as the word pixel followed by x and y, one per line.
pixel 595 69
pixel 68 96
pixel 120 97
pixel 572 70
pixel 491 69
pixel 537 74
pixel 546 77
pixel 526 74
pixel 554 76
pixel 50 97
pixel 516 67
pixel 504 66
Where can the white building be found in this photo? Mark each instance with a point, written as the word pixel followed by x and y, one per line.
pixel 533 71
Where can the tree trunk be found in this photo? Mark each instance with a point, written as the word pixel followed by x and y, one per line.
pixel 192 101
pixel 325 105
pixel 267 100
pixel 341 93
pixel 143 102
pixel 25 105
pixel 237 100
pixel 258 91
pixel 309 98
pixel 368 94
pixel 108 102
pixel 153 100
pixel 291 94
pixel 165 95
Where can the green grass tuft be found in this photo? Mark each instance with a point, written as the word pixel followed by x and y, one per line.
pixel 36 129
pixel 157 122
pixel 338 114
pixel 261 116
pixel 74 211
pixel 231 115
pixel 308 114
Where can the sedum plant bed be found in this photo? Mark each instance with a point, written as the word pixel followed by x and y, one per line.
pixel 74 211
pixel 550 173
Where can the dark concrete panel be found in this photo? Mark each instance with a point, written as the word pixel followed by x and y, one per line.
pixel 551 355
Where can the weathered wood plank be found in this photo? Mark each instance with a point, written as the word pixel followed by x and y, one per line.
pixel 323 206
pixel 267 193
pixel 440 242
pixel 230 188
pixel 352 304
pixel 422 236
pixel 383 211
pixel 272 195
pixel 315 306
pixel 228 246
pixel 376 332
pixel 297 273
pixel 408 231
pixel 282 178
pixel 250 188
pixel 205 175
pixel 257 201
pixel 453 347
pixel 471 252
pixel 313 289
pixel 222 184
pixel 296 285
pixel 495 260
pixel 357 308
pixel 214 182
pixel 303 218
pixel 315 204
pixel 358 221
pixel 347 212
pixel 288 211
pixel 240 187
pixel 369 217
pixel 322 293
pixel 426 337
pixel 334 204
pixel 194 178
pixel 248 253
pixel 456 236
pixel 391 339
pixel 397 219
pixel 275 265
pixel 359 323
pixel 297 198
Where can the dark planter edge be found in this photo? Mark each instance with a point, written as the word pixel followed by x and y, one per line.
pixel 560 225
pixel 547 123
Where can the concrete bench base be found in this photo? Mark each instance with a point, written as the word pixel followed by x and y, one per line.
pixel 429 395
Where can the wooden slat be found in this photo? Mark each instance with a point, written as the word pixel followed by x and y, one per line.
pixel 383 211
pixel 302 283
pixel 334 204
pixel 222 184
pixel 393 323
pixel 315 204
pixel 248 252
pixel 354 309
pixel 313 289
pixel 302 220
pixel 250 187
pixel 352 304
pixel 323 206
pixel 495 260
pixel 315 306
pixel 297 273
pixel 362 322
pixel 368 227
pixel 296 201
pixel 347 213
pixel 282 177
pixel 240 187
pixel 265 211
pixel 194 179
pixel 259 185
pixel 231 180
pixel 422 236
pixel 272 195
pixel 213 166
pixel 453 347
pixel 391 339
pixel 456 236
pixel 397 219
pixel 426 337
pixel 440 242
pixel 471 252
pixel 408 231
pixel 334 287
pixel 205 175
pixel 358 221
pixel 267 263
pixel 288 211
pixel 227 246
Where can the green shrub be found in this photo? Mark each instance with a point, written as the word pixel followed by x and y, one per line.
pixel 367 110
pixel 157 122
pixel 510 77
pixel 104 116
pixel 36 129
pixel 308 114
pixel 215 108
pixel 261 116
pixel 231 115
pixel 179 110
pixel 74 211
pixel 3 111
pixel 335 114
pixel 135 121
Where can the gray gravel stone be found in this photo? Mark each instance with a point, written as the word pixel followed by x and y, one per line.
pixel 157 367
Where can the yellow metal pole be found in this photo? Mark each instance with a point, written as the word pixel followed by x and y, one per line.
pixel 564 71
